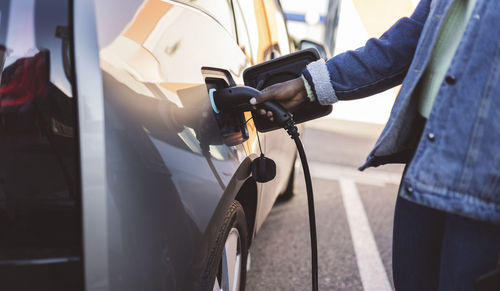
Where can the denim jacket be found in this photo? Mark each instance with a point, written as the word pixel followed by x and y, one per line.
pixel 456 161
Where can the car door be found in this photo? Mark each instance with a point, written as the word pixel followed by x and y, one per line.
pixel 263 35
pixel 169 171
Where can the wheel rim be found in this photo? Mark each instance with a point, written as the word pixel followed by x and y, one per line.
pixel 228 277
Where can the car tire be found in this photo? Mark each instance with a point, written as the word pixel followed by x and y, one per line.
pixel 226 268
pixel 290 187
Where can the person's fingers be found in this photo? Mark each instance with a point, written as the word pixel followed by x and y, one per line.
pixel 269 114
pixel 262 112
pixel 289 94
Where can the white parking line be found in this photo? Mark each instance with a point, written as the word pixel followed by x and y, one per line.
pixel 369 177
pixel 371 269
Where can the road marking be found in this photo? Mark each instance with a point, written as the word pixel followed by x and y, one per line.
pixel 371 269
pixel 370 177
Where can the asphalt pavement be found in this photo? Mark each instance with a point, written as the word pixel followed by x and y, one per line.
pixel 354 213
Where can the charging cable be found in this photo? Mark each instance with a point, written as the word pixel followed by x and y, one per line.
pixel 294 134
pixel 284 119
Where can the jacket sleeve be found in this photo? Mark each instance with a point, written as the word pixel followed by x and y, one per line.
pixel 381 64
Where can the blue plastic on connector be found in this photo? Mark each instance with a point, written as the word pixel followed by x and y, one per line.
pixel 212 101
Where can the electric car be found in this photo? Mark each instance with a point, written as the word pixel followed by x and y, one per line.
pixel 115 172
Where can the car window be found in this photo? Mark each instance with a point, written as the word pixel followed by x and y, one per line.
pixel 245 11
pixel 27 35
pixel 283 41
pixel 264 24
pixel 39 197
pixel 242 31
pixel 278 35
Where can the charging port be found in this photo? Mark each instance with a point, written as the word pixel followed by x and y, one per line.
pixel 232 125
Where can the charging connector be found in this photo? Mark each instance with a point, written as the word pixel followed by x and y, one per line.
pixel 237 99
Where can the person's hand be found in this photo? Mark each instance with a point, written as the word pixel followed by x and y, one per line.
pixel 288 94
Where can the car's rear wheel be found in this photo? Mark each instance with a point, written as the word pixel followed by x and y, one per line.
pixel 226 269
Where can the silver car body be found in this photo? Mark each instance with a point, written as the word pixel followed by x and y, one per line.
pixel 161 194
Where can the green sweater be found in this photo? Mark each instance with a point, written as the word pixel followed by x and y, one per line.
pixel 446 45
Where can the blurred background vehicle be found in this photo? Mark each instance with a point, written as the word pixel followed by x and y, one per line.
pixel 40 197
pixel 114 173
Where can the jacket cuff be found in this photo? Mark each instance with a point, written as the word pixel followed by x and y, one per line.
pixel 309 90
pixel 316 73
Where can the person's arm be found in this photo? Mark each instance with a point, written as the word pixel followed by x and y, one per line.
pixel 379 65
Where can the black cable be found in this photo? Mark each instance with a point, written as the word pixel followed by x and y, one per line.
pixel 258 138
pixel 260 147
pixel 293 132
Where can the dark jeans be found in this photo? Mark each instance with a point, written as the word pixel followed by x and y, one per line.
pixel 435 250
